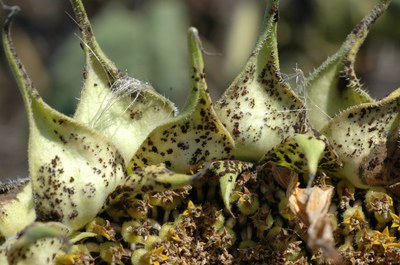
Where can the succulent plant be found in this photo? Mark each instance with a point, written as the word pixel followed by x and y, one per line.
pixel 262 176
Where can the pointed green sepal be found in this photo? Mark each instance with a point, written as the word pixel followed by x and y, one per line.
pixel 153 178
pixel 366 138
pixel 16 207
pixel 313 150
pixel 72 167
pixel 334 86
pixel 304 153
pixel 120 107
pixel 259 109
pixel 228 171
pixel 194 136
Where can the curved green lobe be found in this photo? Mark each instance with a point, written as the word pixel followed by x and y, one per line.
pixel 313 150
pixel 305 152
pixel 153 178
pixel 195 136
pixel 122 108
pixel 259 109
pixel 227 171
pixel 334 86
pixel 72 167
pixel 37 244
pixel 366 139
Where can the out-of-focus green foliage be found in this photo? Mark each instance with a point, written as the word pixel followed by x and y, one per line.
pixel 151 43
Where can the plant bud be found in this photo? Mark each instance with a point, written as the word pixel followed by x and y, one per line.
pixel 130 232
pixel 380 204
pixel 112 252
pixel 248 202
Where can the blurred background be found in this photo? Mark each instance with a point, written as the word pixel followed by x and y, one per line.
pixel 147 39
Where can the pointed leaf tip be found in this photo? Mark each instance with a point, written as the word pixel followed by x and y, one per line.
pixel 120 107
pixel 334 86
pixel 72 167
pixel 305 152
pixel 259 109
pixel 313 150
pixel 228 171
pixel 194 39
pixel 196 135
pixel 153 178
